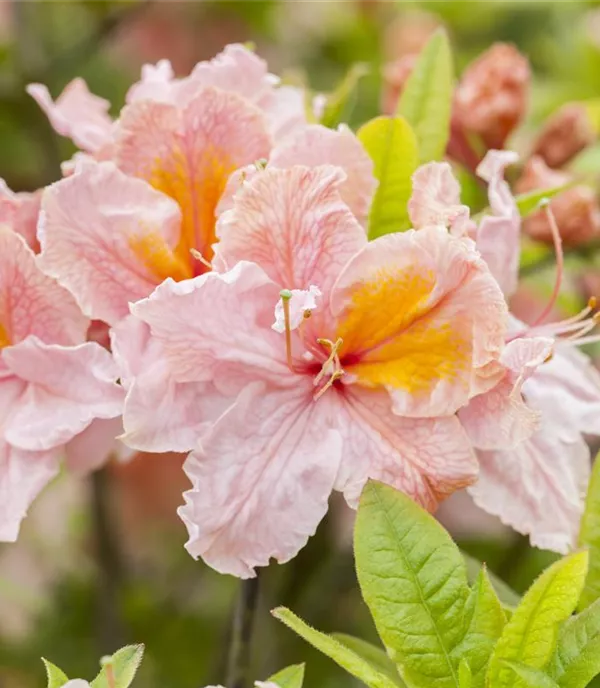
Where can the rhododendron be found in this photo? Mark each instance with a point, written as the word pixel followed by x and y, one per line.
pixel 528 428
pixel 53 383
pixel 367 384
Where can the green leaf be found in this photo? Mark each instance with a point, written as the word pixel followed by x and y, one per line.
pixel 486 621
pixel 119 670
pixel 589 537
pixel 528 203
pixel 465 678
pixel 392 145
pixel 371 654
pixel 290 677
pixel 531 678
pixel 531 634
pixel 426 101
pixel 413 579
pixel 508 597
pixel 341 100
pixel 342 655
pixel 576 660
pixel 56 677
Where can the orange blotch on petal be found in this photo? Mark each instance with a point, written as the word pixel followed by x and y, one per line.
pixel 158 257
pixel 4 337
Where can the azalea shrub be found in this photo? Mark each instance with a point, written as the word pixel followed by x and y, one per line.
pixel 390 318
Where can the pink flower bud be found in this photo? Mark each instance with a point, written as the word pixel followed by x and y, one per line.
pixel 395 75
pixel 565 133
pixel 491 97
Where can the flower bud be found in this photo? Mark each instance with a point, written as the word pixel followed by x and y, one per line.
pixel 395 75
pixel 491 97
pixel 566 132
pixel 576 209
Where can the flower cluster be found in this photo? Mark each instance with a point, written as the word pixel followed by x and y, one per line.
pixel 219 233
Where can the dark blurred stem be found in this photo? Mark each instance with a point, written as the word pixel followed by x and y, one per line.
pixel 110 567
pixel 241 638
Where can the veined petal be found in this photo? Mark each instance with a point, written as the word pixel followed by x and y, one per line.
pixel 435 199
pixel 157 83
pixel 427 458
pixel 261 479
pixel 93 447
pixel 67 388
pixel 315 145
pixel 189 154
pixel 214 319
pixel 417 313
pixel 31 303
pixel 160 414
pixel 77 114
pixel 293 224
pixel 109 239
pixel 20 212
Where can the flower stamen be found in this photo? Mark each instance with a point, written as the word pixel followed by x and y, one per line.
pixel 286 296
pixel 198 256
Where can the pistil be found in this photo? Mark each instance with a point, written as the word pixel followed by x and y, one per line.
pixel 286 295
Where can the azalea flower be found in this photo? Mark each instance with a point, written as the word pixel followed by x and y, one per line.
pixel 144 207
pixel 53 384
pixel 528 428
pixel 366 383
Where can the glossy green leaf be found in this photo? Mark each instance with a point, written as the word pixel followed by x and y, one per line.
pixel 340 102
pixel 507 596
pixel 392 145
pixel 413 578
pixel 350 661
pixel 530 678
pixel 119 670
pixel 576 660
pixel 528 203
pixel 589 537
pixel 465 677
pixel 290 677
pixel 371 654
pixel 56 677
pixel 426 100
pixel 486 621
pixel 530 636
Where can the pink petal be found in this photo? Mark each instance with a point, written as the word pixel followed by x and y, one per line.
pixel 499 234
pixel 189 154
pixel 160 414
pixel 109 239
pixel 285 109
pixel 23 475
pixel 157 83
pixel 67 388
pixel 427 458
pixel 316 145
pixel 31 302
pixel 261 480
pixel 435 199
pixel 302 301
pixel 293 224
pixel 419 313
pixel 20 212
pixel 234 325
pixel 77 114
pixel 500 418
pixel 93 447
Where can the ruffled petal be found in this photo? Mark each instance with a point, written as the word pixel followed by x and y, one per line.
pixel 419 312
pixel 67 388
pixel 217 319
pixel 427 458
pixel 77 114
pixel 261 479
pixel 20 211
pixel 316 145
pixel 109 239
pixel 31 303
pixel 189 153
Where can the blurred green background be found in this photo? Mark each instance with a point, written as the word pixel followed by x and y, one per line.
pixel 101 561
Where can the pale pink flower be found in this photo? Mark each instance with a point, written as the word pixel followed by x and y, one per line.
pixel 53 384
pixel 368 386
pixel 528 429
pixel 20 211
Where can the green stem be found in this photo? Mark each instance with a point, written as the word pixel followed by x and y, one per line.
pixel 241 637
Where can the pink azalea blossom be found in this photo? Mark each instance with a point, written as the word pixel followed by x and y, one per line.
pixel 53 383
pixel 528 429
pixel 367 385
